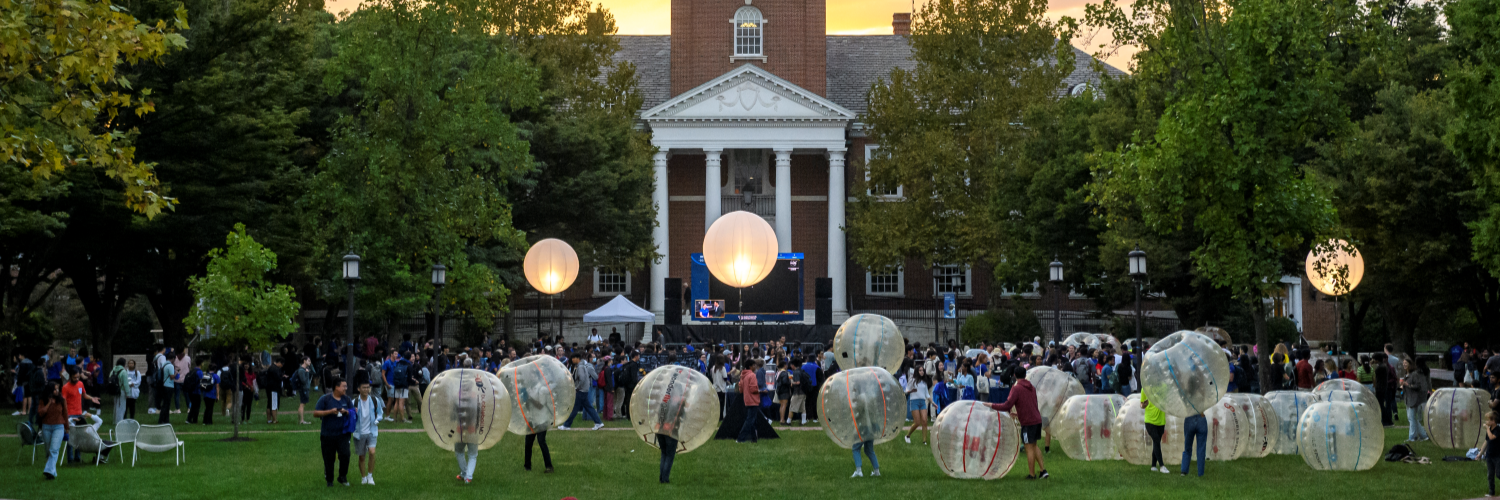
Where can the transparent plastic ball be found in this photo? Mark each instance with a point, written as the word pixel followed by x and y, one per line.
pixel 861 404
pixel 468 406
pixel 972 441
pixel 1053 388
pixel 1265 425
pixel 542 393
pixel 1085 426
pixel 1360 396
pixel 1106 339
pixel 676 401
pixel 1455 417
pixel 1228 430
pixel 869 340
pixel 1082 339
pixel 1289 407
pixel 1134 443
pixel 1336 435
pixel 1185 374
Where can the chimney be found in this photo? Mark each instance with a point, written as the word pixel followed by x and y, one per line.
pixel 901 23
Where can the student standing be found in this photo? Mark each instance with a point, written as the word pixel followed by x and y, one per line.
pixel 369 410
pixel 190 389
pixel 73 394
pixel 302 384
pixel 272 383
pixel 1416 386
pixel 167 373
pixel 917 394
pixel 1491 449
pixel 134 392
pixel 750 391
pixel 208 388
pixel 1023 400
pixel 1193 428
pixel 333 408
pixel 1156 425
pixel 122 384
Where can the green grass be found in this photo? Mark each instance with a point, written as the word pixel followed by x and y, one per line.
pixel 615 464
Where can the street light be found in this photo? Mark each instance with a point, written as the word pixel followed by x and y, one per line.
pixel 1057 279
pixel 439 279
pixel 351 276
pixel 1138 273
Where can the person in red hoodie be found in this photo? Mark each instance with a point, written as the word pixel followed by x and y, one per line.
pixel 1023 402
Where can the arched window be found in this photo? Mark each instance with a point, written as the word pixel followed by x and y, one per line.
pixel 747 31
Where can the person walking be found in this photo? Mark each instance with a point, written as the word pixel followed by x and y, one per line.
pixel 583 380
pixel 1193 428
pixel 1156 426
pixel 52 413
pixel 1022 400
pixel 1416 386
pixel 208 389
pixel 369 410
pixel 750 391
pixel 333 408
pixel 917 393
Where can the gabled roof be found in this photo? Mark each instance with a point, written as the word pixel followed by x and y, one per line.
pixel 748 93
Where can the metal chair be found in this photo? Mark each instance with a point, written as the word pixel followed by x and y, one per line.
pixel 158 439
pixel 86 439
pixel 29 437
pixel 125 431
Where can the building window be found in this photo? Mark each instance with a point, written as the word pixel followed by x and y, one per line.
pixel 747 31
pixel 611 281
pixel 885 282
pixel 879 191
pixel 952 278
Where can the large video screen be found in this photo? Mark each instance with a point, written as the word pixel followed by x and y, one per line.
pixel 776 298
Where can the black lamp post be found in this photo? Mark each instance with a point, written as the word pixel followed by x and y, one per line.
pixel 1138 273
pixel 439 280
pixel 351 276
pixel 1057 279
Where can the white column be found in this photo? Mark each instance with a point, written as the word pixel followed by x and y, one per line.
pixel 711 184
pixel 659 268
pixel 836 199
pixel 784 200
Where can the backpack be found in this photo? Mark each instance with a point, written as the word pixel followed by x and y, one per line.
pixel 1398 453
pixel 806 383
pixel 205 382
pixel 152 369
pixel 192 380
pixel 400 379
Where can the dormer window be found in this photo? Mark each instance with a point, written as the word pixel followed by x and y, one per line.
pixel 748 25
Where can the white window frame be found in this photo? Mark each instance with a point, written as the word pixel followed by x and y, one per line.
pixel 759 34
pixel 900 284
pixel 968 280
pixel 600 293
pixel 870 153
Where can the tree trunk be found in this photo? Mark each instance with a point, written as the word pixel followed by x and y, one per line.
pixel 1356 325
pixel 100 290
pixel 171 307
pixel 1262 343
pixel 1401 317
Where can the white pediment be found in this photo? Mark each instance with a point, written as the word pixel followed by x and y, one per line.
pixel 748 93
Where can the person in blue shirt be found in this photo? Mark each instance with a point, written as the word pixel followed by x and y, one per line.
pixel 208 388
pixel 333 408
pixel 811 369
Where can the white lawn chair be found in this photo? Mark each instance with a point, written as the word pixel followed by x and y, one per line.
pixel 125 431
pixel 85 439
pixel 29 437
pixel 158 439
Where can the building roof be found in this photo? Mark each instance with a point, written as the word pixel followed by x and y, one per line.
pixel 855 62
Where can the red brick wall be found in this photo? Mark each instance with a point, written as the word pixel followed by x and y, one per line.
pixel 1318 314
pixel 793 37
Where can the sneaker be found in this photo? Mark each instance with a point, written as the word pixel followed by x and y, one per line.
pixel 1044 475
pixel 548 470
pixel 15 414
pixel 597 427
pixel 389 419
pixel 857 473
pixel 152 411
pixel 1164 470
pixel 344 482
pixel 459 477
pixel 876 473
pixel 908 439
pixel 1029 476
pixel 371 480
pixel 562 427
pixel 467 480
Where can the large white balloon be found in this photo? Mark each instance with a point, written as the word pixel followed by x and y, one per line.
pixel 1340 436
pixel 740 249
pixel 1185 374
pixel 869 340
pixel 468 406
pixel 1134 443
pixel 1086 424
pixel 1455 417
pixel 676 401
pixel 972 441
pixel 861 404
pixel 542 392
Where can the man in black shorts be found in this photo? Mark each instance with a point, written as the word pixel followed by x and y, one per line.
pixel 1023 401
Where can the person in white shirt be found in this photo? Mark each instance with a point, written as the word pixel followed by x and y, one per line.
pixel 594 338
pixel 369 409
pixel 918 392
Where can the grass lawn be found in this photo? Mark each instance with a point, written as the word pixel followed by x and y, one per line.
pixel 614 464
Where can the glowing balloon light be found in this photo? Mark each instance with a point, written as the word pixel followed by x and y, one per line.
pixel 1335 262
pixel 551 266
pixel 740 249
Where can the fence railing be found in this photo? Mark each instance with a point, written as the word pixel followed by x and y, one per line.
pixel 763 205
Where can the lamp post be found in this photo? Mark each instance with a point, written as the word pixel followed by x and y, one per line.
pixel 439 280
pixel 1057 279
pixel 351 276
pixel 1138 273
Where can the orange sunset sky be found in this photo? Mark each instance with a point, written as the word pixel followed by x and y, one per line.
pixel 845 17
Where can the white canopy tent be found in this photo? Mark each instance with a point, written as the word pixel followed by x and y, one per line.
pixel 621 310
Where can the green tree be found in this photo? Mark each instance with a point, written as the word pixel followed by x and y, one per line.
pixel 1474 84
pixel 948 129
pixel 1253 89
pixel 60 93
pixel 418 169
pixel 239 307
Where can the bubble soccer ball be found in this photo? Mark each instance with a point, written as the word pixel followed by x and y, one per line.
pixel 1265 426
pixel 861 404
pixel 1455 417
pixel 468 406
pixel 1082 339
pixel 1086 426
pixel 1336 435
pixel 1289 407
pixel 1184 374
pixel 1053 388
pixel 1359 396
pixel 1109 340
pixel 869 340
pixel 1134 443
pixel 1228 430
pixel 972 441
pixel 542 392
pixel 1218 335
pixel 676 401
